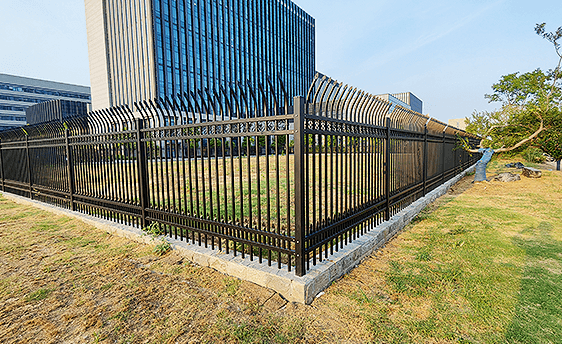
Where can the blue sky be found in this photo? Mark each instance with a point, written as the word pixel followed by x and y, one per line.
pixel 448 53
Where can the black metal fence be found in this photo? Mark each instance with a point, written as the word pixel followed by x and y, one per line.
pixel 284 181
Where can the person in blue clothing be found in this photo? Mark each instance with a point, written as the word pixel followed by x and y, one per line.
pixel 480 169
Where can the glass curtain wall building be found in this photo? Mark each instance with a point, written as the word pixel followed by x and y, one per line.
pixel 142 49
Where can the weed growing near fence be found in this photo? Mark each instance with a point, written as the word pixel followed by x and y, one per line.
pixel 157 232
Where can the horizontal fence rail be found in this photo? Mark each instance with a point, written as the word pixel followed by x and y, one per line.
pixel 284 181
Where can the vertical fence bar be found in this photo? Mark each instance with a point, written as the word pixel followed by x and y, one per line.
pixel 143 173
pixel 387 170
pixel 425 160
pixel 457 157
pixel 443 152
pixel 28 166
pixel 70 170
pixel 299 187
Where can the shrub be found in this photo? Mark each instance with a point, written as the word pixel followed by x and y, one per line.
pixel 533 154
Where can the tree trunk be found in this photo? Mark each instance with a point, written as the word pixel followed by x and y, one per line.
pixel 480 171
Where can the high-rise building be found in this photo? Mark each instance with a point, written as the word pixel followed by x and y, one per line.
pixel 18 93
pixel 142 49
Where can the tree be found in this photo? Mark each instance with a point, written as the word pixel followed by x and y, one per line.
pixel 551 141
pixel 526 103
pixel 530 111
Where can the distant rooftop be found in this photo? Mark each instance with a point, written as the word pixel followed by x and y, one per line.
pixel 25 81
pixel 404 99
pixel 458 123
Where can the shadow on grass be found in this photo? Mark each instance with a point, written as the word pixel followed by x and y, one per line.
pixel 539 308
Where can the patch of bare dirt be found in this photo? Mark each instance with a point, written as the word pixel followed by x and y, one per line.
pixel 454 191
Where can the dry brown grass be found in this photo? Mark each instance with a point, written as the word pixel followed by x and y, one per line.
pixel 63 281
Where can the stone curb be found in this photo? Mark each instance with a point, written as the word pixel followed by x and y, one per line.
pixel 291 287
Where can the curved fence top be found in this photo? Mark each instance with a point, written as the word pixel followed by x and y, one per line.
pixel 330 98
pixel 51 129
pixel 436 127
pixel 236 102
pixel 327 97
pixel 402 118
pixel 14 134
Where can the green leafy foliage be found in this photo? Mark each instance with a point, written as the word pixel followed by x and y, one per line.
pixel 531 108
pixel 162 248
pixel 534 154
pixel 521 89
pixel 551 140
pixel 155 231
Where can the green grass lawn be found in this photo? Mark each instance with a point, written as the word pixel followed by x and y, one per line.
pixel 483 267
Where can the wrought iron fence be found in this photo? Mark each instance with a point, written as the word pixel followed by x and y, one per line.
pixel 285 181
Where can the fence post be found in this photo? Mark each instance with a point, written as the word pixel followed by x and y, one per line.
pixel 300 249
pixel 142 163
pixel 70 170
pixel 387 169
pixel 443 160
pixel 425 160
pixel 28 166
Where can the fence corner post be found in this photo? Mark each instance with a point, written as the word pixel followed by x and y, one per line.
pixel 300 247
pixel 70 170
pixel 142 163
